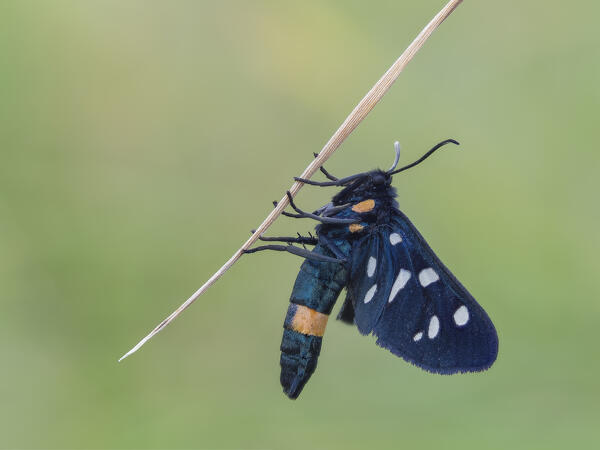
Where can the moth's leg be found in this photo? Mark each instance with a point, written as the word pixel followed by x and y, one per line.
pixel 296 240
pixel 317 183
pixel 332 210
pixel 304 240
pixel 331 246
pixel 303 214
pixel 293 216
pixel 337 182
pixel 296 251
pixel 325 172
pixel 317 214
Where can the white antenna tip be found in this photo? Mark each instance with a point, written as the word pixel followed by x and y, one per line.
pixel 397 157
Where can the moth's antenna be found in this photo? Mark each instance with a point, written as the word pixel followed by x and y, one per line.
pixel 425 156
pixel 356 116
pixel 397 158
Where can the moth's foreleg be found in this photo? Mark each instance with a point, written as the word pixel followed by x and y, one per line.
pixel 317 183
pixel 296 251
pixel 325 172
pixel 303 214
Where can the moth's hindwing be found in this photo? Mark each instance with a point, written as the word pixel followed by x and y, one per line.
pixel 403 293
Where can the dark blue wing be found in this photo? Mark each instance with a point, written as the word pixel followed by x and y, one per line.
pixel 422 312
pixel 368 288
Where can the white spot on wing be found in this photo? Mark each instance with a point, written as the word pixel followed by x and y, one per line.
pixel 417 337
pixel 434 327
pixel 401 280
pixel 370 293
pixel 371 266
pixel 395 238
pixel 461 316
pixel 428 276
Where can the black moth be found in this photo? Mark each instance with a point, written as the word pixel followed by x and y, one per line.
pixel 397 288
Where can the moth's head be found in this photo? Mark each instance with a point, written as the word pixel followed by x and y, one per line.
pixel 373 184
pixel 376 183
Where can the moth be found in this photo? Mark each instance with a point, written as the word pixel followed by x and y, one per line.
pixel 397 288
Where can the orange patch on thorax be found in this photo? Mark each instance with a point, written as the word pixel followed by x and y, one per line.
pixel 355 227
pixel 364 206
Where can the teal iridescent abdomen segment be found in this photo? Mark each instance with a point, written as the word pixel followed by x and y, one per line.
pixel 299 355
pixel 317 287
pixel 319 284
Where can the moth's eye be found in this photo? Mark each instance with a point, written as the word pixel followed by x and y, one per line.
pixel 378 179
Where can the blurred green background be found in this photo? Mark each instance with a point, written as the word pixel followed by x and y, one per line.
pixel 140 141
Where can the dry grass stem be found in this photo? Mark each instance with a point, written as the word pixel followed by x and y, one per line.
pixel 356 116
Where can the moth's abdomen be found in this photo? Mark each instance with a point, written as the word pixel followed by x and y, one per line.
pixel 300 347
pixel 317 287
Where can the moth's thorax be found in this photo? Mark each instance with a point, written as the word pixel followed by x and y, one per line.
pixel 368 200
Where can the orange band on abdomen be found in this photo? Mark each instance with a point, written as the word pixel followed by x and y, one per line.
pixel 308 321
